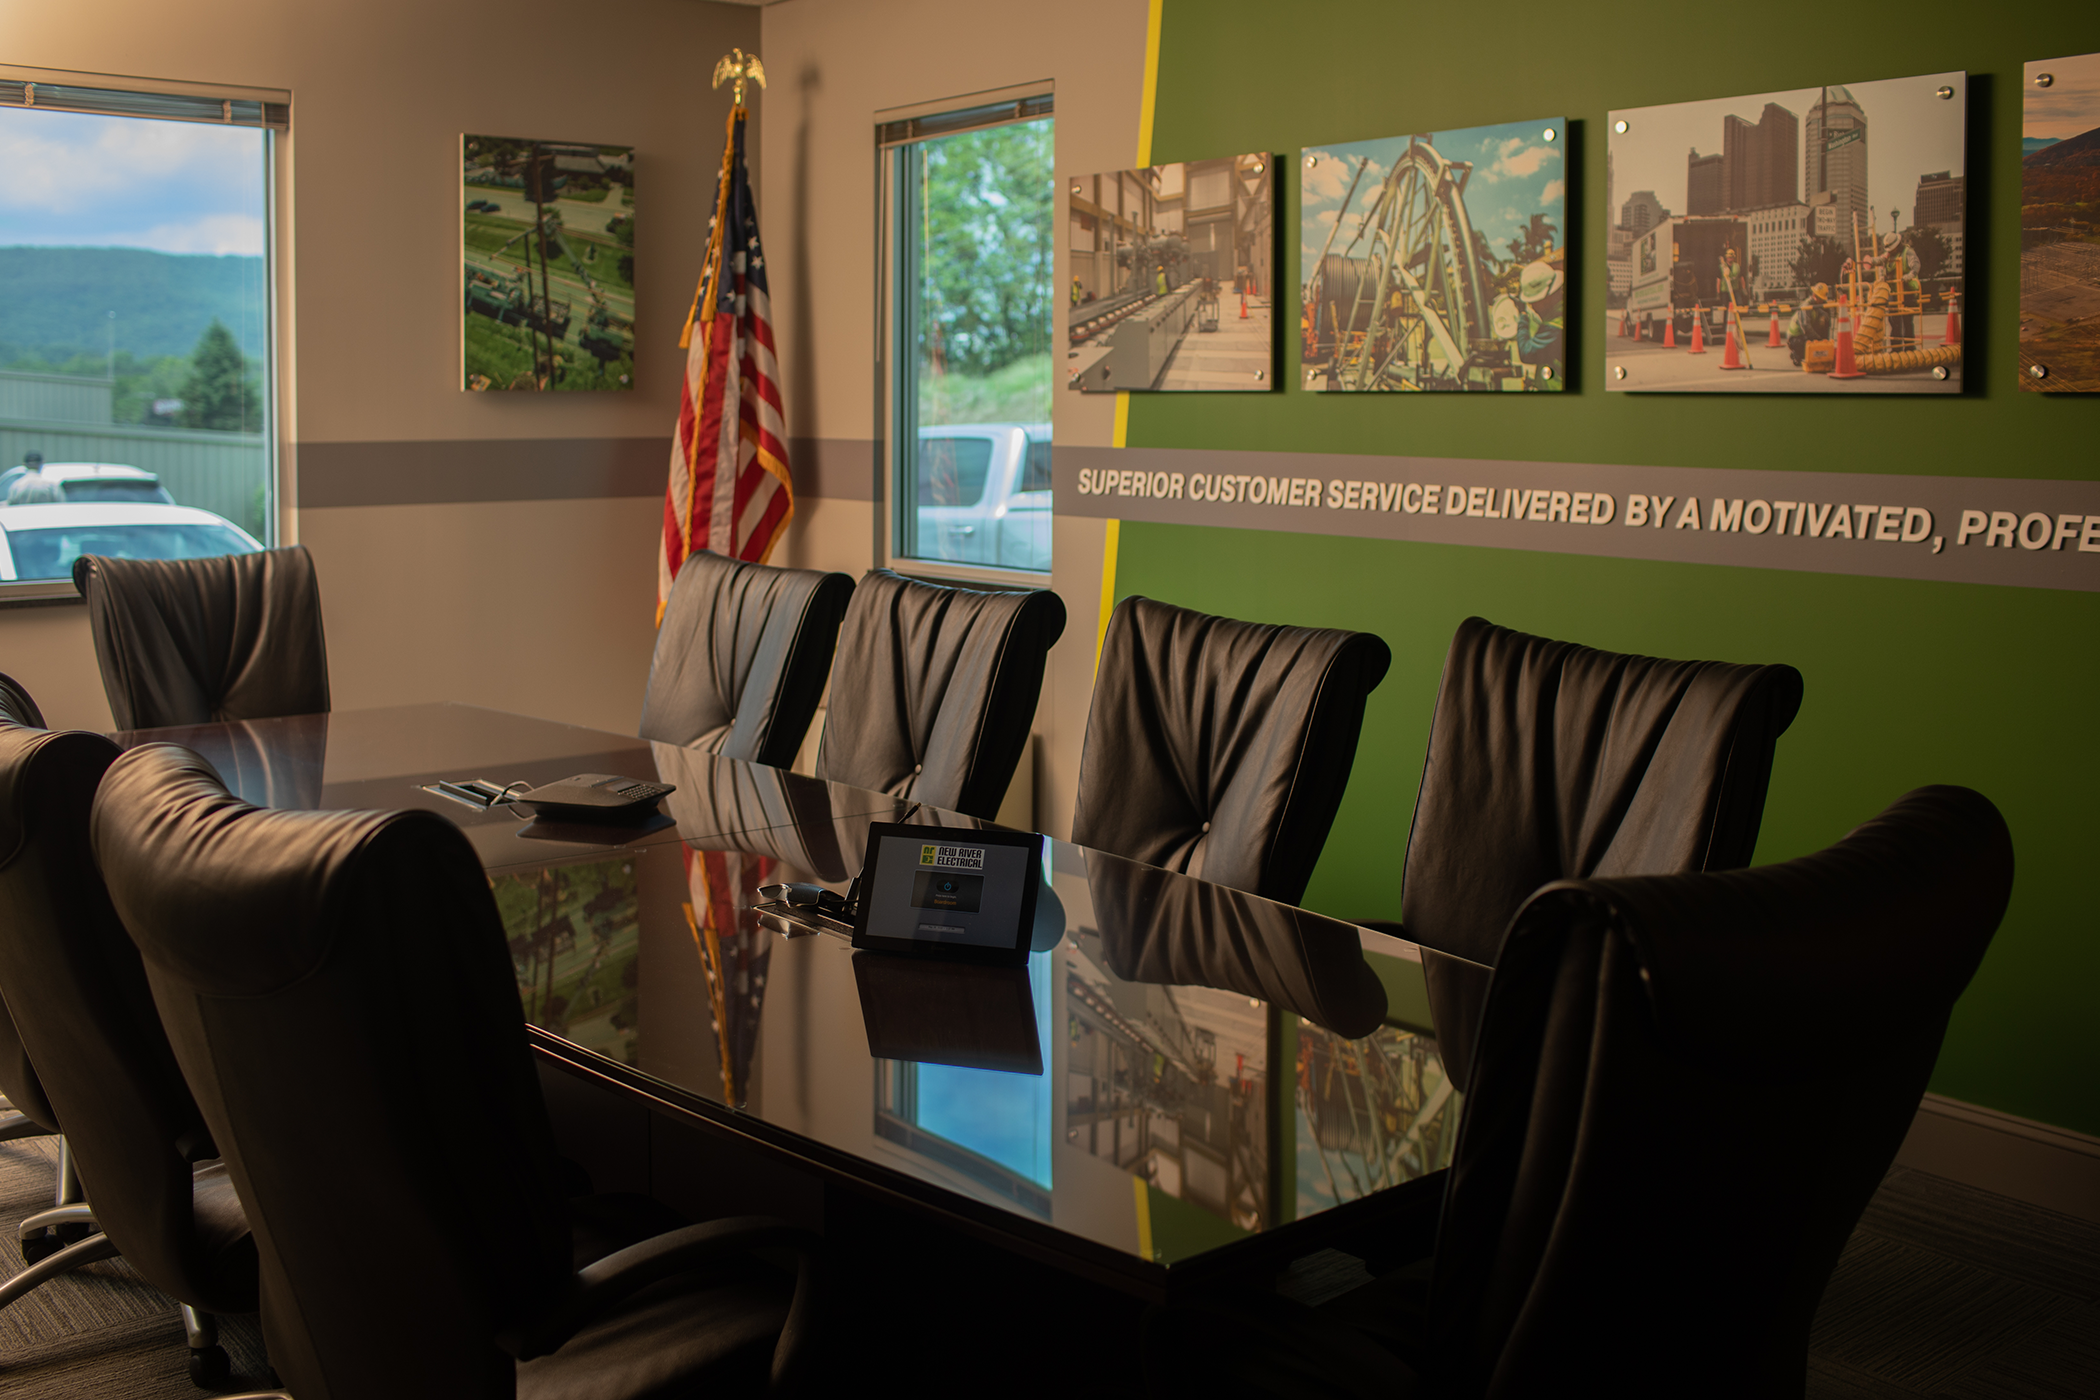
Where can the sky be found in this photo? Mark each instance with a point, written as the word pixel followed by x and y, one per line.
pixel 1516 173
pixel 2070 106
pixel 1911 131
pixel 68 179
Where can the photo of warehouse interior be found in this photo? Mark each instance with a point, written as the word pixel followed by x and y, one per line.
pixel 1171 277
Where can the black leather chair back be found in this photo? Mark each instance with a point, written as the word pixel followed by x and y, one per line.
pixel 79 997
pixel 1219 748
pixel 1551 761
pixel 337 987
pixel 742 653
pixel 1620 1206
pixel 18 1078
pixel 934 690
pixel 190 641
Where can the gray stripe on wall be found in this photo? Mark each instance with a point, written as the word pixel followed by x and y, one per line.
pixel 479 469
pixel 839 469
pixel 542 469
pixel 2060 519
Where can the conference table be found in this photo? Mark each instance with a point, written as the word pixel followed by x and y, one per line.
pixel 1184 1081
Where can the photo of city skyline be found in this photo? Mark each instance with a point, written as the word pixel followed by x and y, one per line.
pixel 1809 240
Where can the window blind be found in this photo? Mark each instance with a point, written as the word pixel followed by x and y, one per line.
pixel 124 102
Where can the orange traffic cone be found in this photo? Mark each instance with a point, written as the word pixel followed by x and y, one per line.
pixel 1243 306
pixel 1698 334
pixel 1731 356
pixel 1847 367
pixel 1625 324
pixel 1636 330
pixel 1772 341
pixel 1953 335
pixel 1670 334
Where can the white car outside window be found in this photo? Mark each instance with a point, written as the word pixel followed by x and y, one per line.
pixel 984 495
pixel 42 541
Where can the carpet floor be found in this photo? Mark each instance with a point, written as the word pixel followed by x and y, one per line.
pixel 1945 1293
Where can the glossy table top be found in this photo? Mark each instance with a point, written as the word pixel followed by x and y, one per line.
pixel 1180 1071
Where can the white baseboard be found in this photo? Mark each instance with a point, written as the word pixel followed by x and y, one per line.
pixel 2042 1165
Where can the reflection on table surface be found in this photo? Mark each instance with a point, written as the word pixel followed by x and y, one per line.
pixel 1182 1066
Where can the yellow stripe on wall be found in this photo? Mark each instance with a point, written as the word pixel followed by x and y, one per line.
pixel 1108 587
pixel 1144 150
pixel 1120 438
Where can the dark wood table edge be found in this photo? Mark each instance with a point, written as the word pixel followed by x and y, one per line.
pixel 1270 1249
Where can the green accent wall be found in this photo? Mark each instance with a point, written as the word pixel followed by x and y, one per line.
pixel 1908 683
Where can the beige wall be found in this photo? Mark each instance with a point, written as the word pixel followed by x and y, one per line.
pixel 834 64
pixel 541 605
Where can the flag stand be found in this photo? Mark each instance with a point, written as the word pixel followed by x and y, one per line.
pixel 729 489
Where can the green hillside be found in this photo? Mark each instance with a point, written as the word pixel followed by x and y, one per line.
pixel 54 302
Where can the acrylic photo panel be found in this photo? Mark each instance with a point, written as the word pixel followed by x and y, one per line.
pixel 1436 261
pixel 547 252
pixel 1171 273
pixel 2060 226
pixel 1807 241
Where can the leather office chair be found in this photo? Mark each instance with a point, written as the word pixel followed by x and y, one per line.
pixel 78 997
pixel 1219 748
pixel 934 690
pixel 189 641
pixel 1173 932
pixel 28 1112
pixel 1609 1225
pixel 1550 761
pixel 321 968
pixel 742 654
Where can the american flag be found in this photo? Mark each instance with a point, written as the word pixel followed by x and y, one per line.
pixel 729 489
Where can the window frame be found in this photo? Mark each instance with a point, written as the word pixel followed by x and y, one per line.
pixel 268 109
pixel 896 393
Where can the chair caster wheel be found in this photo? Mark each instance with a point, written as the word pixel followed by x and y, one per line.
pixel 41 1245
pixel 209 1367
pixel 73 1234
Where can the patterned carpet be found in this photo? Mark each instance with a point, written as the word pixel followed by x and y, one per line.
pixel 1945 1293
pixel 97 1333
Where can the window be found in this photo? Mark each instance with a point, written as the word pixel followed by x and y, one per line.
pixel 965 322
pixel 137 322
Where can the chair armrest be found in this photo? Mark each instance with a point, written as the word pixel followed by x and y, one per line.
pixel 602 1286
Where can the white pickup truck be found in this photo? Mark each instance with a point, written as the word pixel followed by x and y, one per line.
pixel 984 495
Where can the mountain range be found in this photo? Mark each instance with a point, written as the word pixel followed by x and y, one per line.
pixel 58 300
pixel 2080 150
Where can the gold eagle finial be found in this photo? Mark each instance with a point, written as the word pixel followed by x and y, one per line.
pixel 741 66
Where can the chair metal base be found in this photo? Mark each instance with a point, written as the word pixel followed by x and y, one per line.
pixel 88 1251
pixel 58 1215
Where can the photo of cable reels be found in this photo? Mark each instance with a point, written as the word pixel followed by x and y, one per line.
pixel 1412 310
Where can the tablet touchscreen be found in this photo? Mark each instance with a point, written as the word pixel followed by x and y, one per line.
pixel 949 892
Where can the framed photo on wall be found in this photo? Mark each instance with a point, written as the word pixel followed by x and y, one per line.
pixel 1436 261
pixel 2060 226
pixel 1171 271
pixel 547 258
pixel 1807 241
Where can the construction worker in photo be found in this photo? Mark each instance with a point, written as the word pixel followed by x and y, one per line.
pixel 1160 280
pixel 1077 294
pixel 1812 321
pixel 1733 283
pixel 1543 288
